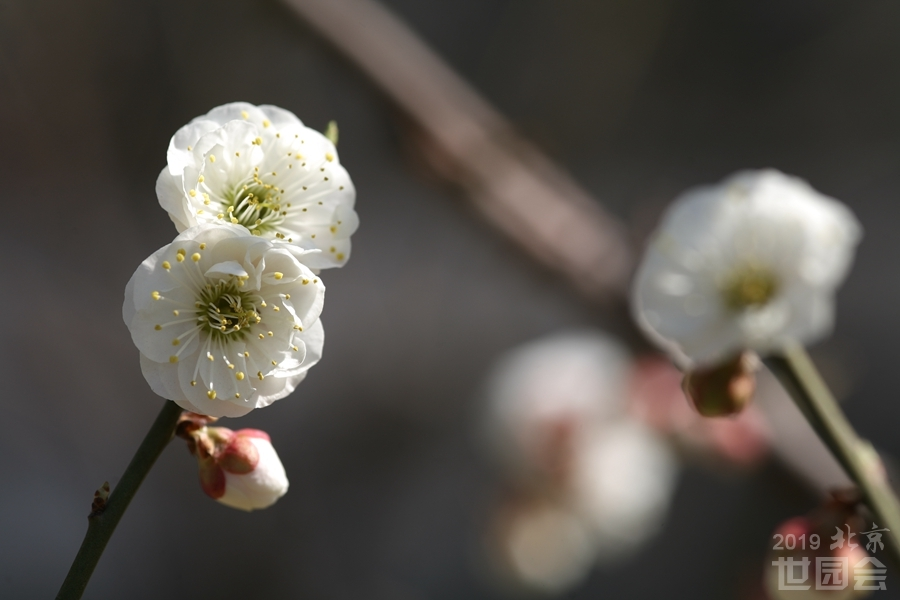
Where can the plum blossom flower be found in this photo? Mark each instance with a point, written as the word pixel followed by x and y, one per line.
pixel 749 264
pixel 587 481
pixel 259 167
pixel 225 321
pixel 240 468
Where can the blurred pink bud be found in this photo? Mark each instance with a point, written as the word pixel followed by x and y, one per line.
pixel 813 553
pixel 239 468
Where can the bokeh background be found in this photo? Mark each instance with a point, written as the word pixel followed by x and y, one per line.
pixel 390 492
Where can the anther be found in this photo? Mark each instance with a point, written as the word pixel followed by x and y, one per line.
pixel 195 257
pixel 239 375
pixel 155 295
pixel 173 359
pixel 211 394
pixel 278 275
pixel 166 265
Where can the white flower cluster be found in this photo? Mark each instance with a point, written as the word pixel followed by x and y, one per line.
pixel 588 482
pixel 750 264
pixel 226 317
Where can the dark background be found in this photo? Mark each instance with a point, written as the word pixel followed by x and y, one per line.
pixel 389 496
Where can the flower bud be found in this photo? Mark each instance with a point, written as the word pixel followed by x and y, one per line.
pixel 724 389
pixel 792 569
pixel 238 468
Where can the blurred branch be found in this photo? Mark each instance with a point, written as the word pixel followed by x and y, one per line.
pixel 518 189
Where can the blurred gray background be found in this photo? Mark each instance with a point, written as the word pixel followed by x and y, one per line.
pixel 390 494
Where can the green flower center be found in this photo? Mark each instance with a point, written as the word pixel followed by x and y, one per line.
pixel 255 205
pixel 750 286
pixel 226 312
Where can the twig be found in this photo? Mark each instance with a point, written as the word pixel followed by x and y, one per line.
pixel 517 188
pixel 104 517
pixel 801 379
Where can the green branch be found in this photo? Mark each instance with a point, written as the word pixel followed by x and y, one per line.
pixel 801 379
pixel 102 522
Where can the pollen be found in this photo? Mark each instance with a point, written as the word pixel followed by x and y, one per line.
pixel 157 327
pixel 175 312
pixel 193 383
pixel 270 333
pixel 239 375
pixel 173 359
pixel 245 114
pixel 201 179
pixel 155 295
pixel 260 375
pixel 176 341
pixel 329 156
pixel 212 158
pixel 305 281
pixel 179 257
pixel 193 193
pixel 340 256
pixel 333 229
pixel 278 275
pixel 295 348
pixel 262 337
pixel 211 394
pixel 195 257
pixel 203 246
pixel 266 124
pixel 166 265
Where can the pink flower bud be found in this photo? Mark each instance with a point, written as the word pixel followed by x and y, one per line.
pixel 239 468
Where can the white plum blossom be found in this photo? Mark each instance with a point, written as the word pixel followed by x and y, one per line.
pixel 225 321
pixel 749 264
pixel 588 482
pixel 259 167
pixel 240 468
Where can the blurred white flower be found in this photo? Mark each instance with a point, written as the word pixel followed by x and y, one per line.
pixel 261 168
pixel 548 548
pixel 239 468
pixel 751 263
pixel 225 321
pixel 622 484
pixel 540 389
pixel 590 483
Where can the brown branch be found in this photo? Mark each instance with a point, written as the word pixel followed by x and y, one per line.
pixel 519 190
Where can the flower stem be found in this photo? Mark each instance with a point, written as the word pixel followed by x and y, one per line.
pixel 801 379
pixel 102 523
